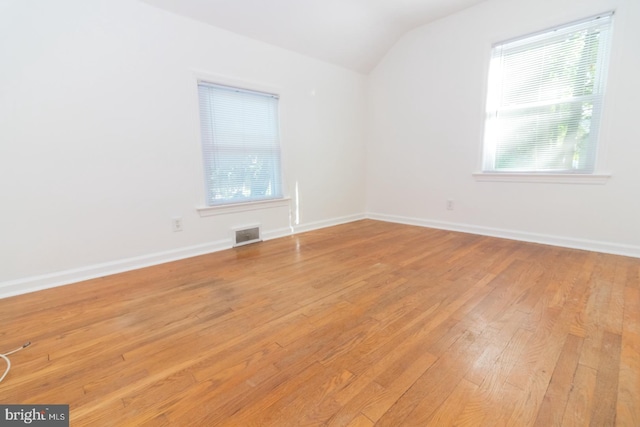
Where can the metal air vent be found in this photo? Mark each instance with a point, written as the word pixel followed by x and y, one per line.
pixel 244 236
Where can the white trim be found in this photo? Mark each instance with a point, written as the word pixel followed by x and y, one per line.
pixel 61 278
pixel 45 281
pixel 546 239
pixel 598 121
pixel 225 80
pixel 316 225
pixel 557 178
pixel 310 226
pixel 554 29
pixel 243 207
pixel 197 75
pixel 275 234
pixel 66 277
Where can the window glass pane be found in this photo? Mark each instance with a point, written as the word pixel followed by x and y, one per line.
pixel 543 138
pixel 544 100
pixel 240 144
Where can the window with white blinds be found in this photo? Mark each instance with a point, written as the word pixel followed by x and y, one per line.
pixel 544 99
pixel 240 144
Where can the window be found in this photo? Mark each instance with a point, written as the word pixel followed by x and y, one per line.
pixel 240 144
pixel 544 100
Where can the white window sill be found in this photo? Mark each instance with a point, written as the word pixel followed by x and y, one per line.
pixel 554 178
pixel 243 207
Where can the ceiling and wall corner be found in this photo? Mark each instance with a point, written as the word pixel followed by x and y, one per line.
pixel 354 34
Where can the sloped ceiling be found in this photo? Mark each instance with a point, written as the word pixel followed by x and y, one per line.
pixel 354 34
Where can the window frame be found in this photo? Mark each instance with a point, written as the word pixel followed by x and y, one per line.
pixel 579 176
pixel 203 207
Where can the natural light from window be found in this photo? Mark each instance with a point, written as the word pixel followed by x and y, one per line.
pixel 544 100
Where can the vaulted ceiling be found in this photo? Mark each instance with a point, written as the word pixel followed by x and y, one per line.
pixel 354 34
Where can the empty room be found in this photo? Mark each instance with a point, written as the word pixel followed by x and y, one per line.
pixel 320 212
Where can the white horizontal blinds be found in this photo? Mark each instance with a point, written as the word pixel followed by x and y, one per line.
pixel 545 98
pixel 240 141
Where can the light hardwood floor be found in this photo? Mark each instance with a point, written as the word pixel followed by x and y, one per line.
pixel 367 323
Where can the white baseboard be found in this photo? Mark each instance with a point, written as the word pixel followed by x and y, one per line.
pixel 36 283
pixel 310 226
pixel 61 278
pixel 567 242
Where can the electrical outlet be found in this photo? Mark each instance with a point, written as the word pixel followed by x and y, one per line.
pixel 176 224
pixel 449 205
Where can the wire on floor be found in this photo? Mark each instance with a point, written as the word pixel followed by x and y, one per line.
pixel 6 359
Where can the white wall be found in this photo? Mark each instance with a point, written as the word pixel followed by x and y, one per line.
pixel 99 138
pixel 426 122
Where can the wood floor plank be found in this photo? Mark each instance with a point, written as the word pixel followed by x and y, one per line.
pixel 495 399
pixel 553 406
pixel 379 403
pixel 434 386
pixel 449 411
pixel 548 343
pixel 361 324
pixel 628 402
pixel 604 408
pixel 360 421
pixel 581 396
pixel 302 405
pixel 631 316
